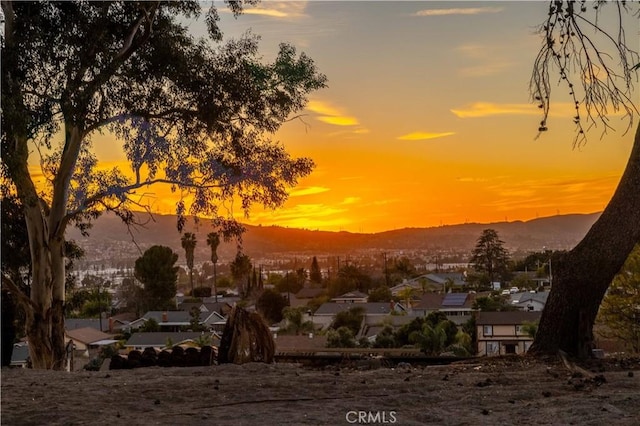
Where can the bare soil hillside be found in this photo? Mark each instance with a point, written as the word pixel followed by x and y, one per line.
pixel 499 391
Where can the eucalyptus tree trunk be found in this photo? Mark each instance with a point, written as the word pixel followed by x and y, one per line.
pixel 46 227
pixel 583 275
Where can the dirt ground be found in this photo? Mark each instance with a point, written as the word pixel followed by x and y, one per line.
pixel 499 391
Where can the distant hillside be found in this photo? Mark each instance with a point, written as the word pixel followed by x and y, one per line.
pixel 109 238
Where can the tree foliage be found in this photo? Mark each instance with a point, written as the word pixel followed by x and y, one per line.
pixel 400 269
pixel 213 241
pixel 351 319
pixel 433 320
pixel 132 294
pixel 342 337
pixel 240 270
pixel 431 340
pixel 315 275
pixel 380 294
pixel 493 304
pixel 350 278
pixel 489 255
pixel 271 304
pixel 295 320
pixel 290 282
pixel 192 114
pixel 156 270
pixel 620 309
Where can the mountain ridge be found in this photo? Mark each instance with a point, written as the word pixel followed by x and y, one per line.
pixel 109 235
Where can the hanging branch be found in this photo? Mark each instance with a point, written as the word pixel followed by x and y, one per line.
pixel 575 55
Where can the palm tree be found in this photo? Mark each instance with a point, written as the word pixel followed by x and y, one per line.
pixel 213 241
pixel 189 245
pixel 406 294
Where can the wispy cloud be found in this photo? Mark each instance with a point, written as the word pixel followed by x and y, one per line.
pixel 339 120
pixel 458 11
pixel 311 190
pixel 267 12
pixel 307 216
pixel 422 136
pixel 276 9
pixel 559 192
pixel 487 109
pixel 336 116
pixel 470 179
pixel 350 200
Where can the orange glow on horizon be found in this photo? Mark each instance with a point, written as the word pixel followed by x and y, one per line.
pixel 411 133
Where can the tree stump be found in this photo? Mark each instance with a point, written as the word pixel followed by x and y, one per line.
pixel 246 338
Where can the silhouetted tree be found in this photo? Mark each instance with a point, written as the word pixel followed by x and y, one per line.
pixel 380 294
pixel 351 319
pixel 315 275
pixel 598 69
pixel 189 115
pixel 489 255
pixel 271 304
pixel 493 304
pixel 213 241
pixel 189 242
pixel 156 270
pixel 240 270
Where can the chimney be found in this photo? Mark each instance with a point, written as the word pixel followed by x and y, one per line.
pixel 110 325
pixel 165 317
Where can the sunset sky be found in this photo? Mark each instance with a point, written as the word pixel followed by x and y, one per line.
pixel 427 119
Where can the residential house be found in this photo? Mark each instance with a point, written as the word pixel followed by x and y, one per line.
pixel 231 300
pixel 351 297
pixel 310 292
pixel 88 338
pixel 107 324
pixel 373 326
pixel 223 308
pixel 445 281
pixel 100 324
pixel 528 301
pixel 160 340
pixel 20 355
pixel 458 307
pixel 177 320
pixel 374 313
pixel 429 302
pixel 303 297
pixel 502 333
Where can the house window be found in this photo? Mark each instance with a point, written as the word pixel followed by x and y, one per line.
pixel 519 330
pixel 493 348
pixel 487 330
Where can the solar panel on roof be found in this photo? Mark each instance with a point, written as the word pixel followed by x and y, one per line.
pixel 454 299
